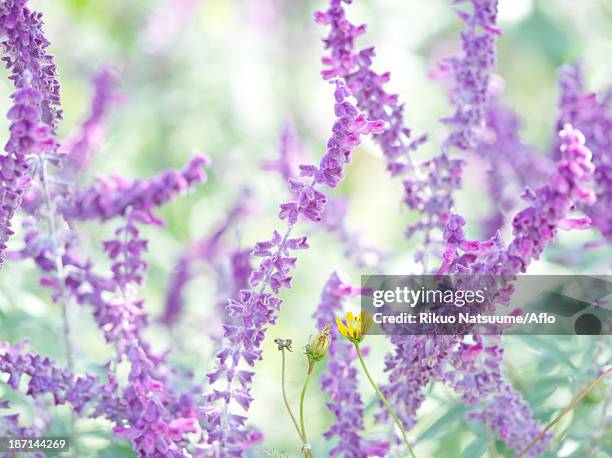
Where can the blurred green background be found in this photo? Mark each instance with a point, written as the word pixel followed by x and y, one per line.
pixel 224 82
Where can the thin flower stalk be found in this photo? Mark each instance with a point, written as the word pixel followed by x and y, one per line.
pixel 285 344
pixel 568 409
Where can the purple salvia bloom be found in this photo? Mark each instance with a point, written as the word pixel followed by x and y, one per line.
pixel 430 191
pixel 113 196
pixel 290 156
pixel 83 393
pixel 137 411
pixel 471 72
pixel 427 187
pixel 25 55
pixel 414 362
pixel 477 375
pixel 89 136
pixel 256 308
pixel 34 113
pixel 534 227
pixel 339 381
pixel 592 115
pixel 419 359
pixel 366 85
pixel 476 368
pixel 151 426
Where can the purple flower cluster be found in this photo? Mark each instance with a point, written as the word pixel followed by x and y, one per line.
pixel 141 411
pixel 113 196
pixel 592 115
pixel 430 192
pixel 476 372
pixel 44 377
pixel 428 186
pixel 414 362
pixel 257 307
pixel 153 425
pixel 34 114
pixel 471 72
pixel 366 85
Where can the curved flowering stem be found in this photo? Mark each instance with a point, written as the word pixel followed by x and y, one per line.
pixel 567 410
pixel 113 196
pixel 258 307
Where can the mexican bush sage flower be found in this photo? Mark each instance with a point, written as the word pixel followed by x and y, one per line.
pixel 471 72
pixel 34 113
pixel 258 307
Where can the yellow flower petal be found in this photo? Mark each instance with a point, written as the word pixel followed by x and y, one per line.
pixel 342 328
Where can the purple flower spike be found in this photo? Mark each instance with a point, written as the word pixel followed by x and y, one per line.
pixel 114 196
pixel 256 308
pixel 471 72
pixel 34 113
pixel 591 113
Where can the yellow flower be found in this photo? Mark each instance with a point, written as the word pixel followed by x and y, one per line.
pixel 355 327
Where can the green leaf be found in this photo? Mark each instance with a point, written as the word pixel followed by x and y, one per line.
pixel 455 413
pixel 476 448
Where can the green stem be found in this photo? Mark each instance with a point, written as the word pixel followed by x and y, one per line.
pixel 568 409
pixel 382 398
pixel 297 428
pixel 302 423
